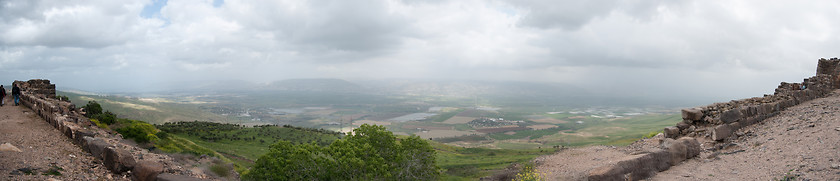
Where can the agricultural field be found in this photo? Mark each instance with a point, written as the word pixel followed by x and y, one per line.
pixel 501 126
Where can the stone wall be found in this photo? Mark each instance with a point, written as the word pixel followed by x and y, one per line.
pixel 119 158
pixel 719 120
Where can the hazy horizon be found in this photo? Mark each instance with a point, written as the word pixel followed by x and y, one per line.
pixel 682 50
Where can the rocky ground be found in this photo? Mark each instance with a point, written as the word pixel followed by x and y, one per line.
pixel 45 153
pixel 800 143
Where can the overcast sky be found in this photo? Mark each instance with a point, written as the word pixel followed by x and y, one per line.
pixel 723 49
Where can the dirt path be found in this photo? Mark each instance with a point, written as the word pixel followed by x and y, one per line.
pixel 802 142
pixel 43 149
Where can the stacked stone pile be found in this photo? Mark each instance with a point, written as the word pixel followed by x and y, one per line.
pixel 718 121
pixel 119 158
pixel 37 86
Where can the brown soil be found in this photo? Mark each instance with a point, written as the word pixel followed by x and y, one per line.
pixel 43 148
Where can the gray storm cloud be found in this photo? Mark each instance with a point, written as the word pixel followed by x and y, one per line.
pixel 716 49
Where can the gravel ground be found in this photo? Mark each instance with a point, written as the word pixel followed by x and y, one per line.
pixel 43 149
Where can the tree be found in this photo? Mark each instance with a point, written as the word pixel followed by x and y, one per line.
pixel 92 108
pixel 371 153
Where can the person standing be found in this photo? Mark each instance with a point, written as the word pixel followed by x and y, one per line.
pixel 2 95
pixel 16 94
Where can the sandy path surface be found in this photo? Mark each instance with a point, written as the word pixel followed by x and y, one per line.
pixel 43 149
pixel 802 142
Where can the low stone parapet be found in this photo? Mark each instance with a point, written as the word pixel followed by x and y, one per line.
pixel 39 95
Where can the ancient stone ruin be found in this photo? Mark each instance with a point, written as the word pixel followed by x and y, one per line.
pixel 719 120
pixel 713 125
pixel 116 156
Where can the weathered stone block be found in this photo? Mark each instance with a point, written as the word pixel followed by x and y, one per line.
pixel 730 116
pixel 671 132
pixel 81 134
pixel 146 170
pixel 693 114
pixel 633 167
pixel 97 147
pixel 721 132
pixel 682 125
pixel 749 121
pixel 692 147
pixel 735 126
pixel 118 160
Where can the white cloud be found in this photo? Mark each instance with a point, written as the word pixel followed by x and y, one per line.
pixel 639 44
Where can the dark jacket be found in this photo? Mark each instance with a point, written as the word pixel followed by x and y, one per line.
pixel 2 92
pixel 15 90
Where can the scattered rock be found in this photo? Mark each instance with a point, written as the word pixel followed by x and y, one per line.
pixel 147 170
pixel 9 147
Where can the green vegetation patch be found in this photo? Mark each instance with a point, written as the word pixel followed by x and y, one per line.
pixel 246 144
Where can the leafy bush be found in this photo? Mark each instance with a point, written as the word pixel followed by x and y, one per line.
pixel 371 153
pixel 529 173
pixel 92 108
pixel 139 131
pixel 107 117
pixel 99 124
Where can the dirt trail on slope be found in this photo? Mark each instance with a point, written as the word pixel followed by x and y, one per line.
pixel 43 149
pixel 802 142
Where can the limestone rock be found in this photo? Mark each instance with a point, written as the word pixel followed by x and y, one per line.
pixel 9 147
pixel 730 116
pixel 693 114
pixel 671 132
pixel 96 147
pixel 633 167
pixel 721 132
pixel 118 160
pixel 147 171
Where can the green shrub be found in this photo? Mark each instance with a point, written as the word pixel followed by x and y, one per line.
pixel 139 131
pixel 651 134
pixel 529 173
pixel 107 117
pixel 99 124
pixel 370 153
pixel 92 108
pixel 220 169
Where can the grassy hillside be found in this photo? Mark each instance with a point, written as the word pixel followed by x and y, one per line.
pixel 472 163
pixel 245 144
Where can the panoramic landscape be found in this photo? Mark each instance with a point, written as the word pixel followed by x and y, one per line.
pixel 418 90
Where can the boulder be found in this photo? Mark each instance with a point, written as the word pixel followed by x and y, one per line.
pixel 146 171
pixel 693 114
pixel 96 147
pixel 721 132
pixel 730 116
pixel 118 160
pixel 692 147
pixel 682 125
pixel 633 167
pixel 671 132
pixel 80 135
